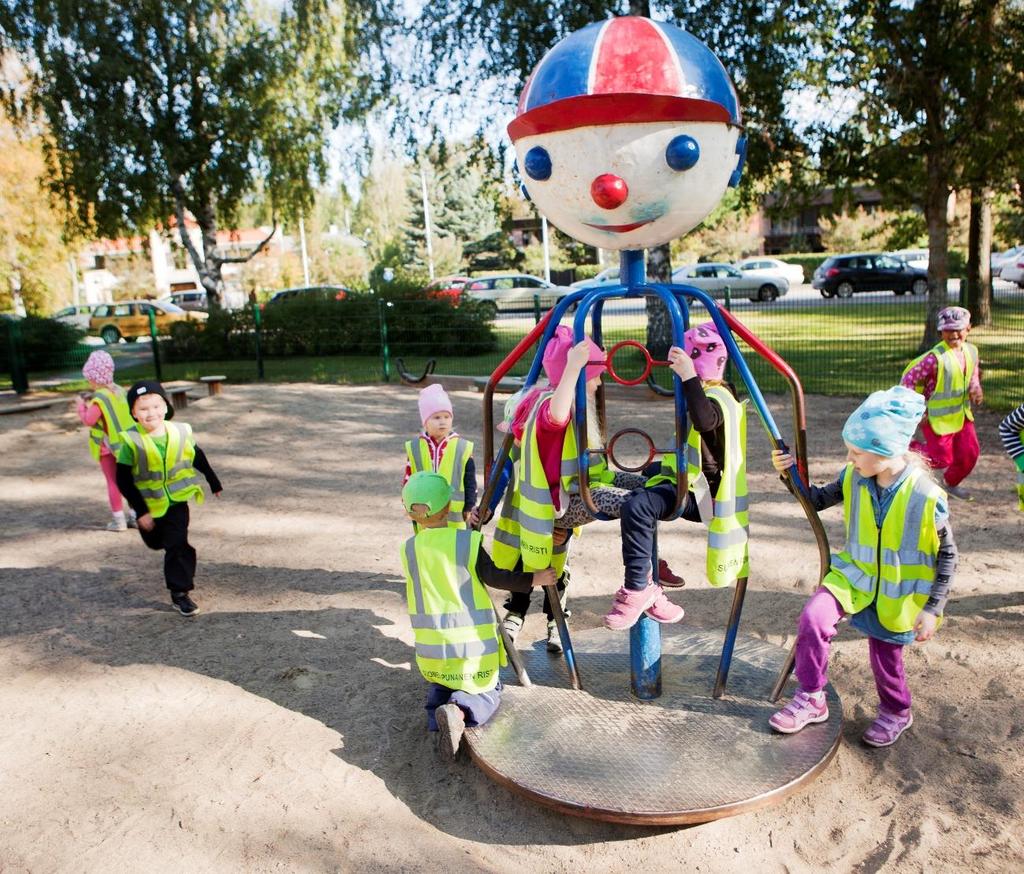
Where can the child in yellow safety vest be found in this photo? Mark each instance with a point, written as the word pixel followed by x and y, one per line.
pixel 458 647
pixel 106 414
pixel 717 492
pixel 894 573
pixel 1011 432
pixel 949 377
pixel 158 468
pixel 440 449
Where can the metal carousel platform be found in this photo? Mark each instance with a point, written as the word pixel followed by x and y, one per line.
pixel 684 757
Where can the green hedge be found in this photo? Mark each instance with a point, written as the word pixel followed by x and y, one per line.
pixel 312 326
pixel 45 344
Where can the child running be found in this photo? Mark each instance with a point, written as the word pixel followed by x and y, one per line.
pixel 440 449
pixel 894 573
pixel 949 377
pixel 458 648
pixel 106 414
pixel 157 468
pixel 717 493
pixel 1011 432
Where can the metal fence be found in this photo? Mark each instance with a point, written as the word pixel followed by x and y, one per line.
pixel 836 346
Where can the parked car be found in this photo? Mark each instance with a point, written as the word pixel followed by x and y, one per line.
pixel 999 260
pixel 608 276
pixel 513 292
pixel 713 278
pixel 1013 270
pixel 76 316
pixel 129 319
pixel 446 288
pixel 842 275
pixel 792 273
pixel 194 301
pixel 914 257
pixel 325 292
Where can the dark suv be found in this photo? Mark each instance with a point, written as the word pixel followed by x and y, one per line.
pixel 842 275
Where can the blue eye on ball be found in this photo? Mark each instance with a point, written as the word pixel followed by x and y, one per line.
pixel 538 163
pixel 682 152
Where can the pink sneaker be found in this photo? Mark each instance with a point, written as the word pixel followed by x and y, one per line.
pixel 886 729
pixel 664 611
pixel 802 710
pixel 629 605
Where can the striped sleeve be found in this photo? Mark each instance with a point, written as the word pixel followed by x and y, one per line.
pixel 1009 432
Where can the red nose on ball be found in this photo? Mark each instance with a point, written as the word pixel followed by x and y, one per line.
pixel 609 191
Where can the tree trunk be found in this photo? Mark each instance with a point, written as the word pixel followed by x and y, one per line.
pixel 936 198
pixel 979 276
pixel 659 325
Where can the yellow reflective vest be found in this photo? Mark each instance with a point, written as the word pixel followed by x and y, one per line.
pixel 452 467
pixel 949 404
pixel 894 566
pixel 728 555
pixel 453 622
pixel 113 404
pixel 1020 483
pixel 163 479
pixel 527 520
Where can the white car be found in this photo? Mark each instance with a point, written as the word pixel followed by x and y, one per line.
pixel 608 276
pixel 917 258
pixel 999 260
pixel 77 316
pixel 713 278
pixel 792 273
pixel 1013 270
pixel 513 292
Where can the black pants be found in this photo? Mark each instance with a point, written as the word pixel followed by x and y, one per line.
pixel 638 521
pixel 519 602
pixel 170 534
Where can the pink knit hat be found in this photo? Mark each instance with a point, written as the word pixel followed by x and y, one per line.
pixel 953 319
pixel 434 399
pixel 99 368
pixel 704 345
pixel 556 354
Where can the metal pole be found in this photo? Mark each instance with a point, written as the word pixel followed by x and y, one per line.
pixel 563 633
pixel 305 257
pixel 536 309
pixel 547 248
pixel 730 637
pixel 645 649
pixel 156 345
pixel 257 318
pixel 385 355
pixel 426 223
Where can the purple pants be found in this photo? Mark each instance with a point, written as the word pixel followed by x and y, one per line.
pixel 478 706
pixel 818 621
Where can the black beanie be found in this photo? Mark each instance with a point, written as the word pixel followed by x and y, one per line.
pixel 148 387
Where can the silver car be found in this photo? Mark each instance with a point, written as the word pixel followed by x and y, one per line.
pixel 513 292
pixel 713 278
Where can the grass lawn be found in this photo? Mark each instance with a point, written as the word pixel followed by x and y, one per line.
pixel 851 349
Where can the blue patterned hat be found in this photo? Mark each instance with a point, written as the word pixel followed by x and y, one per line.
pixel 885 423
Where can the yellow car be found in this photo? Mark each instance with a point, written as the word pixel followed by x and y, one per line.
pixel 129 319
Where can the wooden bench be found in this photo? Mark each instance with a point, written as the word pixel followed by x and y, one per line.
pixel 212 384
pixel 178 389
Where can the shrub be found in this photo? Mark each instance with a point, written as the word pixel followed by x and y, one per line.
pixel 45 344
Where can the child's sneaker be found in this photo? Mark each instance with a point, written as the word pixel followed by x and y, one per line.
pixel 886 729
pixel 117 525
pixel 513 624
pixel 628 605
pixel 802 710
pixel 184 604
pixel 664 611
pixel 667 577
pixel 960 492
pixel 132 519
pixel 451 723
pixel 554 639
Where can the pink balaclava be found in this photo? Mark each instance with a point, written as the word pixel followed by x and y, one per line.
pixel 434 399
pixel 99 368
pixel 557 352
pixel 705 346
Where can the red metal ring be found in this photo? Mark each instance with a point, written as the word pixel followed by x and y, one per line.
pixel 610 451
pixel 642 377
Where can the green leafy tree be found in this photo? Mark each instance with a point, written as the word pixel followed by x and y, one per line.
pixel 162 107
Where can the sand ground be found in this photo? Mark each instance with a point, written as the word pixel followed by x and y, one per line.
pixel 281 730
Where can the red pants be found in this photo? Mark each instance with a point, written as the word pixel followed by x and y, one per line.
pixel 108 464
pixel 958 452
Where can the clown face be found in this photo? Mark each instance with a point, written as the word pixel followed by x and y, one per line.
pixel 629 186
